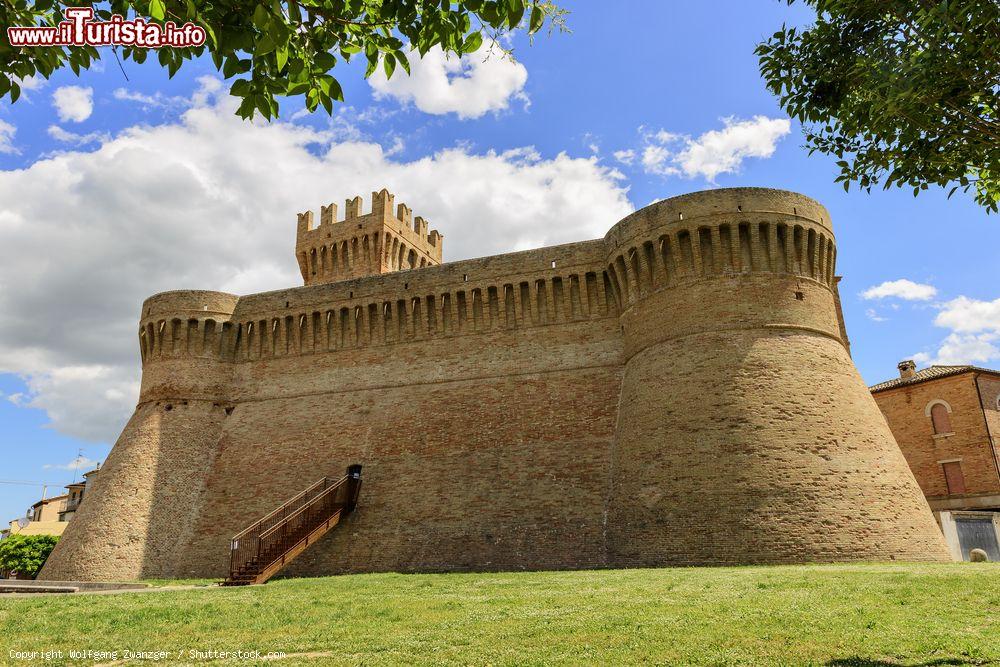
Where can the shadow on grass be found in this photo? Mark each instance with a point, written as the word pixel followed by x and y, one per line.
pixel 856 661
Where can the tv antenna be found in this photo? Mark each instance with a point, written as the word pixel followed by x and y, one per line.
pixel 77 462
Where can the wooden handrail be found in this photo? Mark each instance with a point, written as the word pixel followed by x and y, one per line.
pixel 283 506
pixel 261 549
pixel 315 501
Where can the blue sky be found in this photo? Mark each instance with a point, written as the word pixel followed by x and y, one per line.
pixel 112 190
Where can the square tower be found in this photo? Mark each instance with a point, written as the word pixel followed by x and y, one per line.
pixel 364 244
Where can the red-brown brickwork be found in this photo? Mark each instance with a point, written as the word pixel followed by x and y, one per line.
pixel 968 403
pixel 677 392
pixel 989 389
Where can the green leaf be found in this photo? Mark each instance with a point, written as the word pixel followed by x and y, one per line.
pixel 157 9
pixel 472 44
pixel 210 37
pixel 245 110
pixel 403 60
pixel 335 90
pixel 231 67
pixel 261 17
pixel 324 61
pixel 265 45
pixel 240 88
pixel 516 13
pixel 537 19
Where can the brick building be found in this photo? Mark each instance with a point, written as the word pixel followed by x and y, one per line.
pixel 677 392
pixel 946 420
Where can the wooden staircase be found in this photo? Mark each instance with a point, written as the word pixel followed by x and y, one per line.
pixel 260 551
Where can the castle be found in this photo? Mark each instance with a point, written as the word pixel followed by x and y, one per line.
pixel 677 392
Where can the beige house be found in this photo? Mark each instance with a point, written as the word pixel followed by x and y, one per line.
pixel 43 518
pixel 48 509
pixel 49 516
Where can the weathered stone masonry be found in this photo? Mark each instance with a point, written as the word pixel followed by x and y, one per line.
pixel 677 392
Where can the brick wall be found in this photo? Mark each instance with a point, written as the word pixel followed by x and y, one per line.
pixel 905 410
pixel 990 389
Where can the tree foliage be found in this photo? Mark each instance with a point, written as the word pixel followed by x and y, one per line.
pixel 903 92
pixel 25 554
pixel 280 48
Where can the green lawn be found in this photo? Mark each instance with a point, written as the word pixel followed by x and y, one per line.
pixel 823 614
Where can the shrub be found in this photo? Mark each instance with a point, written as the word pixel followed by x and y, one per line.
pixel 25 554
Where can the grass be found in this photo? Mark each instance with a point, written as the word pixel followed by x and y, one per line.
pixel 850 615
pixel 163 583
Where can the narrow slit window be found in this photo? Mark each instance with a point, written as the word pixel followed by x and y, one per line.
pixel 953 476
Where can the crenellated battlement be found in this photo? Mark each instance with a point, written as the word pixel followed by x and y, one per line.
pixel 518 291
pixel 387 238
pixel 664 247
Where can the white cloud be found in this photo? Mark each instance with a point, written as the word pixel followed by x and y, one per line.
pixel 469 86
pixel 714 152
pixel 65 136
pixel 7 132
pixel 626 157
pixel 900 289
pixel 79 463
pixel 656 160
pixel 86 236
pixel 31 82
pixel 957 349
pixel 873 315
pixel 156 101
pixel 975 332
pixel 73 103
pixel 723 151
pixel 966 315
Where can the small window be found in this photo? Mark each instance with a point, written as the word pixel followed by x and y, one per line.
pixel 940 418
pixel 953 477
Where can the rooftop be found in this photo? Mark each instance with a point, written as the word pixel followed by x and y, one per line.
pixel 930 373
pixel 46 501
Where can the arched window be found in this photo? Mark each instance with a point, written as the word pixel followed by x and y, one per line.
pixel 940 414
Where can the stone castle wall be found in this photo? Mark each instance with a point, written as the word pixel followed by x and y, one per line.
pixel 677 392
